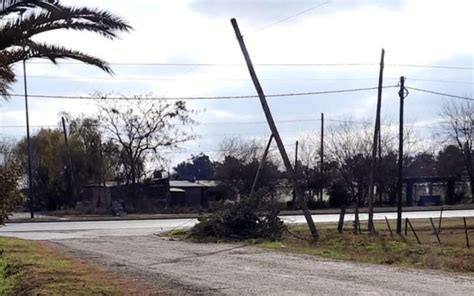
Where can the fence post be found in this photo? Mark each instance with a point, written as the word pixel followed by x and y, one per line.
pixel 435 231
pixel 440 218
pixel 465 230
pixel 340 226
pixel 388 225
pixel 406 226
pixel 413 230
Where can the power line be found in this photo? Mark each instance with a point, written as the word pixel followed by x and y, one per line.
pixel 249 123
pixel 269 65
pixel 115 78
pixel 441 94
pixel 202 98
pixel 292 16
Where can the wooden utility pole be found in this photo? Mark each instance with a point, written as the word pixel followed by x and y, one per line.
pixel 379 167
pixel 374 146
pixel 296 169
pixel 31 193
pixel 266 109
pixel 71 171
pixel 296 156
pixel 260 166
pixel 322 159
pixel 402 94
pixel 100 175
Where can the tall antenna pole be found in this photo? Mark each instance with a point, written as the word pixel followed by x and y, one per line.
pixel 28 142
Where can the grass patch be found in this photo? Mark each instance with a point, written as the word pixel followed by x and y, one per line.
pixel 38 268
pixel 383 248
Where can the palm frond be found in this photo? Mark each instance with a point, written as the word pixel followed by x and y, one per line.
pixel 15 31
pixel 55 53
pixel 7 77
pixel 20 6
pixel 33 17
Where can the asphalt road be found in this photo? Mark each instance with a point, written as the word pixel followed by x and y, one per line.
pixel 88 229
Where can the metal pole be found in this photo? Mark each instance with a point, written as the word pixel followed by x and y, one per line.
pixel 374 146
pixel 401 93
pixel 28 143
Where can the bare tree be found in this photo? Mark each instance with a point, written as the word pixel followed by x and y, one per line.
pixel 143 129
pixel 349 146
pixel 458 123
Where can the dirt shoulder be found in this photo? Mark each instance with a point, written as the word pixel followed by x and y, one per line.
pixel 43 268
pixel 183 268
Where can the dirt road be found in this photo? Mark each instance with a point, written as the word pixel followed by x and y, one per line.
pixel 183 268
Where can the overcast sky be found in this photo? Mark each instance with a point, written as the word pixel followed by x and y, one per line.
pixel 416 32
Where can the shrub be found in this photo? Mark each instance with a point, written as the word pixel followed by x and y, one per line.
pixel 338 195
pixel 10 197
pixel 247 219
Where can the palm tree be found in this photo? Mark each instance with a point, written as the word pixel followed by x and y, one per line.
pixel 20 20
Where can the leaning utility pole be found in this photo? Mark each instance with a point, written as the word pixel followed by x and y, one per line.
pixel 28 143
pixel 374 146
pixel 322 158
pixel 71 170
pixel 402 93
pixel 266 109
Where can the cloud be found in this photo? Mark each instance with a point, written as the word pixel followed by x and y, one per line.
pixel 262 12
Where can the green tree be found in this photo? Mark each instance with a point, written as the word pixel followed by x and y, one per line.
pixel 199 167
pixel 22 20
pixel 51 176
pixel 10 197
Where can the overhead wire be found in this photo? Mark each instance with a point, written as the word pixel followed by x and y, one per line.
pixel 441 94
pixel 199 98
pixel 292 16
pixel 158 64
pixel 116 78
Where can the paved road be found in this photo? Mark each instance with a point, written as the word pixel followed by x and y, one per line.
pixel 69 230
pixel 182 268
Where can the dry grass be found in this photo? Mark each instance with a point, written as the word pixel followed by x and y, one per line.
pixel 39 268
pixel 451 255
pixel 383 248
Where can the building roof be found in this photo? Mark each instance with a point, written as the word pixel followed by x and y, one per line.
pixel 190 184
pixel 176 190
pixel 107 184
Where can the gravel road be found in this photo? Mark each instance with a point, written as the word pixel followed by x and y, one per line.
pixel 183 268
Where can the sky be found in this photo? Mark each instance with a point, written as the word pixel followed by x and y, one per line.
pixel 347 35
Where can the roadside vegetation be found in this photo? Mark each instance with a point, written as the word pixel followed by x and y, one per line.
pixel 36 268
pixel 248 219
pixel 382 248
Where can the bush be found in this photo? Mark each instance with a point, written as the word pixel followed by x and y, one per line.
pixel 248 219
pixel 338 195
pixel 10 197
